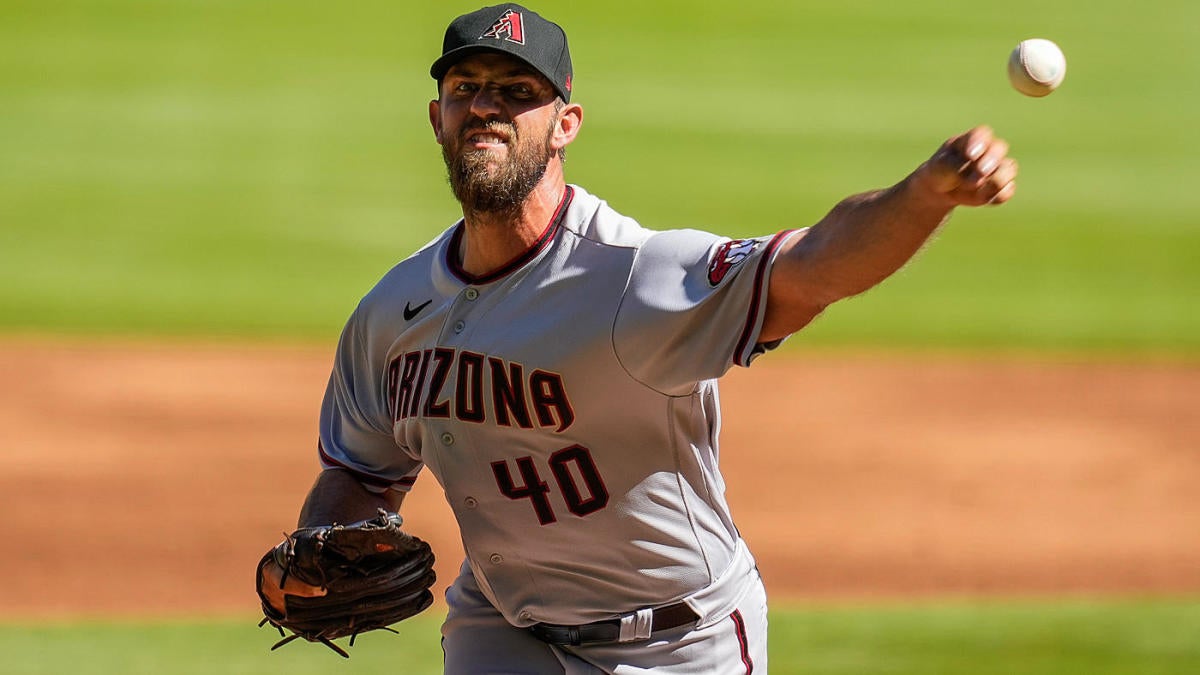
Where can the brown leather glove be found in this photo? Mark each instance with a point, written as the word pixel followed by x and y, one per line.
pixel 371 573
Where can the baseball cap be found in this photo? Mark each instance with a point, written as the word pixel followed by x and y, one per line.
pixel 511 29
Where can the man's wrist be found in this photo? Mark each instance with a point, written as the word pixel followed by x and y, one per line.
pixel 921 190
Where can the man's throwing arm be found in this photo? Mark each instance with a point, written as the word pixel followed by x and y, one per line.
pixel 867 237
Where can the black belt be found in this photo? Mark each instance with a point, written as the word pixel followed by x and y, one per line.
pixel 599 632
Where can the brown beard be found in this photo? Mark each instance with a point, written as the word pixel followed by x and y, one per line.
pixel 502 189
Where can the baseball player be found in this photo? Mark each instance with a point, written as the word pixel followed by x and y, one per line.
pixel 553 364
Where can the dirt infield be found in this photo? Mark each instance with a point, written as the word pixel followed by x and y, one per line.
pixel 166 470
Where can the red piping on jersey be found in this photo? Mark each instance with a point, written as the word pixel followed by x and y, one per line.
pixel 752 316
pixel 541 243
pixel 407 481
pixel 743 642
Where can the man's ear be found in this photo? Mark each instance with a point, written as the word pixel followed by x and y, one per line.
pixel 435 119
pixel 570 119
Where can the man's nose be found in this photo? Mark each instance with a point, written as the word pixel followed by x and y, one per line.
pixel 486 103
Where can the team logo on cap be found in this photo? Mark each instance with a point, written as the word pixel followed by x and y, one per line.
pixel 508 27
pixel 729 255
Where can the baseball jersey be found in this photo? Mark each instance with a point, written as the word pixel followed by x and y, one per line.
pixel 566 403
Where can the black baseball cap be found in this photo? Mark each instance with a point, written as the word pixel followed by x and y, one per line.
pixel 511 29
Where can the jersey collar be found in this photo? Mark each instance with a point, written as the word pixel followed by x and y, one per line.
pixel 516 263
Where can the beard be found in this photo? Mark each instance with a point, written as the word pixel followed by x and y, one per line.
pixel 484 184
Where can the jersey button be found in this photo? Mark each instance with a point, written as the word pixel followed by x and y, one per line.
pixel 496 558
pixel 471 294
pixel 448 438
pixel 459 326
pixel 471 502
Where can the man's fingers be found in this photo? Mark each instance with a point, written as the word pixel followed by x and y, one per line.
pixel 1003 182
pixel 995 188
pixel 1004 194
pixel 981 170
pixel 956 160
pixel 973 169
pixel 974 143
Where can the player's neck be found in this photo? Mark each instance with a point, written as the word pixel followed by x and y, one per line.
pixel 492 239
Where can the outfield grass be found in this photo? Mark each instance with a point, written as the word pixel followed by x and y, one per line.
pixel 1099 638
pixel 1096 638
pixel 249 168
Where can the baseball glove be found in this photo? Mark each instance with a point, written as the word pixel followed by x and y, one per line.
pixel 373 575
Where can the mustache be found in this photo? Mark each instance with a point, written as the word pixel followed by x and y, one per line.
pixel 477 124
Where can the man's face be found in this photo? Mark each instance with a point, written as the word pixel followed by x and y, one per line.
pixel 495 119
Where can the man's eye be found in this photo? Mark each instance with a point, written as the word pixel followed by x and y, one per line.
pixel 520 91
pixel 465 88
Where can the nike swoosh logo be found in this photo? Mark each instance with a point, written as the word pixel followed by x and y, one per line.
pixel 411 312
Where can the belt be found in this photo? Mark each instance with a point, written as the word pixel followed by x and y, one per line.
pixel 608 631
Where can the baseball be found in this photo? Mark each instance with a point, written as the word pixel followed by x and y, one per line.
pixel 1036 67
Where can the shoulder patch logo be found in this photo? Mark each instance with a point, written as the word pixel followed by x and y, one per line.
pixel 508 27
pixel 729 255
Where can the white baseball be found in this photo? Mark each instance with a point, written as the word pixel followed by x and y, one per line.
pixel 1036 67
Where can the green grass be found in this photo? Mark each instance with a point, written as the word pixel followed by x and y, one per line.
pixel 1150 637
pixel 1097 638
pixel 250 168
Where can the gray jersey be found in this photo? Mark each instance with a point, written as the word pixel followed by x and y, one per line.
pixel 568 406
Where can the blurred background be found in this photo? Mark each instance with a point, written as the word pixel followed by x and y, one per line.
pixel 194 195
pixel 248 168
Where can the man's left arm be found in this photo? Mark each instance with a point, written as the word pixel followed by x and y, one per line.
pixel 867 237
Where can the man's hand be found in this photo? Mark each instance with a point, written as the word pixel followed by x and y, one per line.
pixel 971 169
